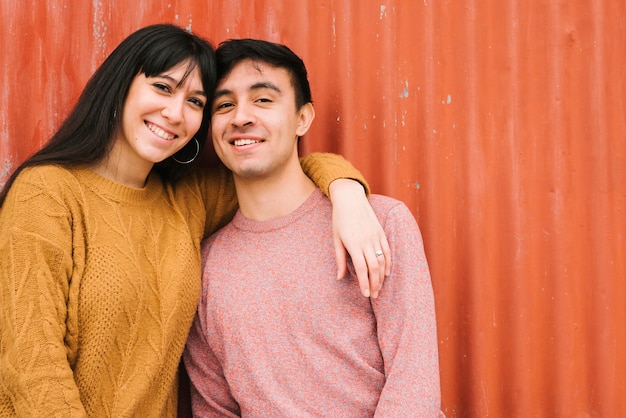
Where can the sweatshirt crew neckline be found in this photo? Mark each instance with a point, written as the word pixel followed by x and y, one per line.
pixel 251 225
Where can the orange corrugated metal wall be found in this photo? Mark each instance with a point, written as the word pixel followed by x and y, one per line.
pixel 501 123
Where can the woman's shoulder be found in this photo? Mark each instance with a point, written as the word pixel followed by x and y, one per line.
pixel 40 189
pixel 47 179
pixel 51 172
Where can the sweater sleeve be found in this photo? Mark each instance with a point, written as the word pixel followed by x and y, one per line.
pixel 35 266
pixel 218 197
pixel 406 326
pixel 324 168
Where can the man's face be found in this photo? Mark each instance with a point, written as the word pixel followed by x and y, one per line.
pixel 255 124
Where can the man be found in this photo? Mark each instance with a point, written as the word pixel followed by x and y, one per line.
pixel 302 343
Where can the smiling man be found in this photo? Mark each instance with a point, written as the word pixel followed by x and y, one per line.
pixel 276 334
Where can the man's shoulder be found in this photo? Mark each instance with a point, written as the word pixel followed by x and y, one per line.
pixel 388 208
pixel 384 199
pixel 209 241
pixel 385 203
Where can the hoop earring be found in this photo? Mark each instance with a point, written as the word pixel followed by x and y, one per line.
pixel 192 158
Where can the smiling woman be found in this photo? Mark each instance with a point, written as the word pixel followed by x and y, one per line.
pixel 101 233
pixel 161 115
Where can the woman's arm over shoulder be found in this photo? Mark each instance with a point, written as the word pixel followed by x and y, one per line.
pixel 324 168
pixel 219 198
pixel 217 195
pixel 356 230
pixel 35 266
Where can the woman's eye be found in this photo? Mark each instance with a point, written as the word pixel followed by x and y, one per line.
pixel 162 87
pixel 197 102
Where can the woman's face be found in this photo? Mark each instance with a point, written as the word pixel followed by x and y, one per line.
pixel 160 116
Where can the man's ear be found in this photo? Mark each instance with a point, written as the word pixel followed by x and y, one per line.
pixel 306 114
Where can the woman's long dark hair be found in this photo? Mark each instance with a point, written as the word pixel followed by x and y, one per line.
pixel 87 135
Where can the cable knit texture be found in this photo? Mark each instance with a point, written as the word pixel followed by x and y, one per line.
pixel 277 335
pixel 99 286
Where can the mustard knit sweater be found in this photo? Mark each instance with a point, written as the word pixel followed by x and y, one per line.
pixel 99 284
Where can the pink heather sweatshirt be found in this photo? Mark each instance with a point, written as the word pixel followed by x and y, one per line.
pixel 277 335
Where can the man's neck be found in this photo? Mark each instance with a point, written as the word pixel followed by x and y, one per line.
pixel 271 198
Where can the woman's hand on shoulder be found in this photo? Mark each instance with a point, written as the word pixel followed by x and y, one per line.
pixel 356 229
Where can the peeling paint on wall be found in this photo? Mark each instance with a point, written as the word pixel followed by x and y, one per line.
pixel 99 25
pixel 5 171
pixel 405 92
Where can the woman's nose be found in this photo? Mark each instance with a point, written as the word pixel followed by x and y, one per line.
pixel 173 111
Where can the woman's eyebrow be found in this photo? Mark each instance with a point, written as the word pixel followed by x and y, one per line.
pixel 177 83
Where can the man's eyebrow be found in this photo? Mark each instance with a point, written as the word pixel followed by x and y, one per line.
pixel 256 86
pixel 265 85
pixel 221 92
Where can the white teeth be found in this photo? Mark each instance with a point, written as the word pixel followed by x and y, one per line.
pixel 159 132
pixel 241 142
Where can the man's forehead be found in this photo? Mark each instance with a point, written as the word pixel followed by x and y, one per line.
pixel 255 72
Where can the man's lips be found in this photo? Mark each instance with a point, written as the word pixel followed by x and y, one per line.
pixel 245 141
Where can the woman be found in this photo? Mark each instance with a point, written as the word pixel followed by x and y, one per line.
pixel 101 231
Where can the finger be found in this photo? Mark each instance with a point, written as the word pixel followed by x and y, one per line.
pixel 384 246
pixel 340 257
pixel 376 282
pixel 383 257
pixel 361 271
pixel 374 272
